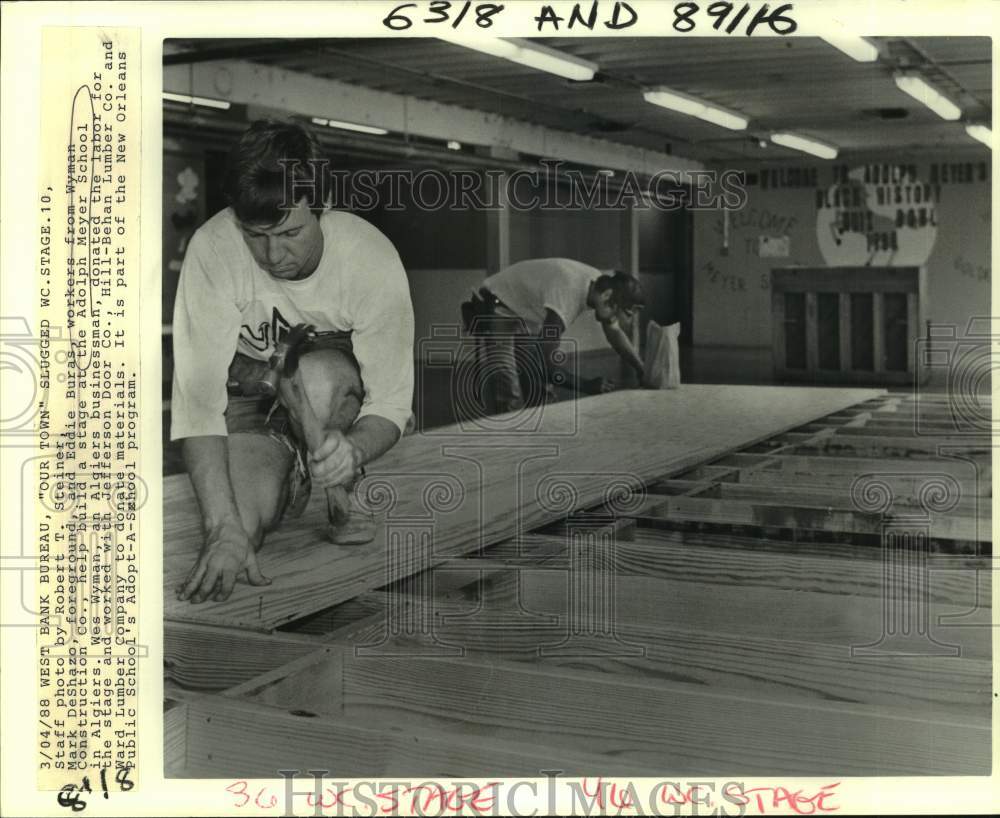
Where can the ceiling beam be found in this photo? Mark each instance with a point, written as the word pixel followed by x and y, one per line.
pixel 271 49
pixel 249 83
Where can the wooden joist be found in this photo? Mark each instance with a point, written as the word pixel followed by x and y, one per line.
pixel 761 668
pixel 770 505
pixel 650 725
pixel 838 463
pixel 203 657
pixel 247 740
pixel 901 424
pixel 473 489
pixel 968 509
pixel 900 484
pixel 824 610
pixel 695 704
pixel 884 445
pixel 175 737
pixel 798 615
pixel 652 553
pixel 776 514
pixel 937 435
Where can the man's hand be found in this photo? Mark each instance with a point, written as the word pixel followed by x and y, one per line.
pixel 226 557
pixel 337 461
pixel 597 386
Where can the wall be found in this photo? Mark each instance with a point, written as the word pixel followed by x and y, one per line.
pixel 732 298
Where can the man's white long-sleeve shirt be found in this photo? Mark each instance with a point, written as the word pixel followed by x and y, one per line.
pixel 226 303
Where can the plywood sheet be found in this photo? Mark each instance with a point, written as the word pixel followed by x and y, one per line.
pixel 448 491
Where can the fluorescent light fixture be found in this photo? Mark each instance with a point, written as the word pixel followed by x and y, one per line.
pixel 801 143
pixel 349 126
pixel 926 94
pixel 857 48
pixel 531 55
pixel 982 133
pixel 221 104
pixel 684 104
pixel 454 145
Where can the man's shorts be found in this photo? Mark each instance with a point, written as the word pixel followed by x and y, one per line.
pixel 264 415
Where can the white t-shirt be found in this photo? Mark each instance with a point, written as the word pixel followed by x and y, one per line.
pixel 529 288
pixel 225 303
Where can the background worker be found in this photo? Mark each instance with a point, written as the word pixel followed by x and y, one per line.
pixel 525 309
pixel 273 259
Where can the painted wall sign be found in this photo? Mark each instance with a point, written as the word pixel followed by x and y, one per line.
pixel 877 215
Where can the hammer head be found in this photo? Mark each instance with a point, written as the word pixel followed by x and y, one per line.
pixel 285 359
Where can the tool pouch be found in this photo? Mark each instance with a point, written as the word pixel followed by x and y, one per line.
pixel 246 376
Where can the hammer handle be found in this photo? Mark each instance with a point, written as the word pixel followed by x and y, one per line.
pixel 338 505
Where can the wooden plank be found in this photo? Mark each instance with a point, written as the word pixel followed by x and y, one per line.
pixel 966 507
pixel 816 613
pixel 906 485
pixel 202 657
pixel 945 437
pixel 933 405
pixel 883 446
pixel 492 483
pixel 773 473
pixel 926 407
pixel 338 620
pixel 237 739
pixel 872 415
pixel 668 724
pixel 175 715
pixel 310 684
pixel 773 513
pixel 838 463
pixel 900 427
pixel 652 554
pixel 761 668
pixel 756 539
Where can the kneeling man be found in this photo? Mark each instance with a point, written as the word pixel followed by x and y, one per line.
pixel 273 260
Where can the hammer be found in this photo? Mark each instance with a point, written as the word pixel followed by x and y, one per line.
pixel 282 379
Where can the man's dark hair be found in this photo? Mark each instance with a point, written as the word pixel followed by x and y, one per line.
pixel 626 290
pixel 270 168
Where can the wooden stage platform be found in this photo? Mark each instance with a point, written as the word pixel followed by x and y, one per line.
pixel 717 579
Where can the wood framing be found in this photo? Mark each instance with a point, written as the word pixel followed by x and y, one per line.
pixel 625 638
pixel 452 490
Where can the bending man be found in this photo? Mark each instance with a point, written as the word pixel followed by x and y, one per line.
pixel 523 311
